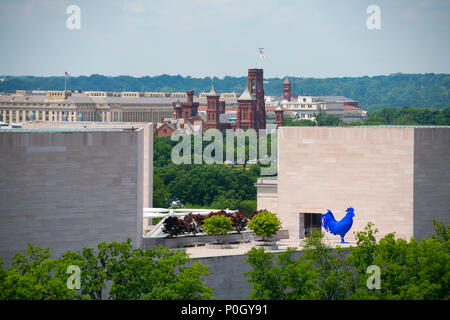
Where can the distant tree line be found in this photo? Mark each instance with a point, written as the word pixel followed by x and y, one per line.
pixel 372 93
pixel 385 116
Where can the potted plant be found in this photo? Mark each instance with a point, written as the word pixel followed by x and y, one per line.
pixel 265 225
pixel 217 226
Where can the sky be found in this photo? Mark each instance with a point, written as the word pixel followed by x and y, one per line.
pixel 217 38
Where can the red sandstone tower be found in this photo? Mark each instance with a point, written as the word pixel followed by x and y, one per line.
pixel 286 89
pixel 186 109
pixel 279 116
pixel 256 87
pixel 246 117
pixel 214 109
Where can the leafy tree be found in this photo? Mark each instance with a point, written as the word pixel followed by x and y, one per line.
pixel 217 226
pixel 299 123
pixel 324 119
pixel 288 279
pixel 34 275
pixel 157 273
pixel 335 277
pixel 442 232
pixel 409 270
pixel 265 277
pixel 154 273
pixel 265 224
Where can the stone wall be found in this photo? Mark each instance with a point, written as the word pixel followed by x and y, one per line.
pixel 69 190
pixel 370 169
pixel 227 275
pixel 267 194
pixel 431 179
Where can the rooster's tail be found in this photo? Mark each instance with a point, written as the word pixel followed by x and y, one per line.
pixel 327 219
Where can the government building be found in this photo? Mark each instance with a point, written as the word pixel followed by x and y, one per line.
pixel 98 106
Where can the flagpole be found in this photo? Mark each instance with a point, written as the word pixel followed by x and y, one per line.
pixel 261 56
pixel 65 82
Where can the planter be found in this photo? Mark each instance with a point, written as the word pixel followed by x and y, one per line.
pixel 186 241
pixel 270 245
pixel 221 246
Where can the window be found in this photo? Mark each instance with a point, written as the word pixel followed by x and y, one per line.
pixel 165 131
pixel 311 223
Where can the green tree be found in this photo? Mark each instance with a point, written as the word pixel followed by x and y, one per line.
pixel 335 277
pixel 217 226
pixel 324 119
pixel 158 273
pixel 265 224
pixel 153 273
pixel 299 123
pixel 287 279
pixel 34 275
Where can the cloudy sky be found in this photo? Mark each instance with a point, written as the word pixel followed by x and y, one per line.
pixel 221 37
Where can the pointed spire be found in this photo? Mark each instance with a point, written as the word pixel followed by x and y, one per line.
pixel 213 91
pixel 286 80
pixel 246 95
pixel 279 106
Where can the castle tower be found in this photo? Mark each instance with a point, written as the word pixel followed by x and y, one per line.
pixel 247 113
pixel 256 87
pixel 188 108
pixel 279 112
pixel 214 109
pixel 286 89
pixel 177 111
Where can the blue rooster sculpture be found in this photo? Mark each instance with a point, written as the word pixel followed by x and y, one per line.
pixel 338 227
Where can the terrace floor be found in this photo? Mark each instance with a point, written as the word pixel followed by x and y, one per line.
pixel 241 249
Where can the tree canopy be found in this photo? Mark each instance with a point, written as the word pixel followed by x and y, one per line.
pixel 386 116
pixel 373 93
pixel 156 273
pixel 409 270
pixel 215 186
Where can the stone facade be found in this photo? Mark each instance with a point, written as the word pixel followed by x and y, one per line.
pixel 398 178
pixel 69 189
pixel 431 178
pixel 267 194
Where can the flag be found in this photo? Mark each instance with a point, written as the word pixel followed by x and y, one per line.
pixel 261 53
pixel 66 74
